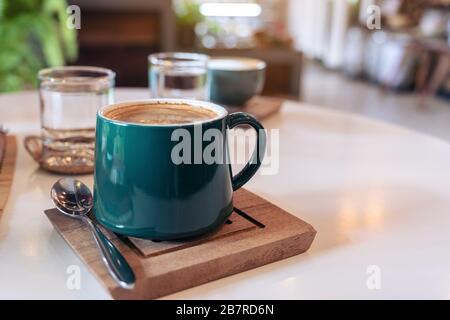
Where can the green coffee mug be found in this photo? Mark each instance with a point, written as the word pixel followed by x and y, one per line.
pixel 140 191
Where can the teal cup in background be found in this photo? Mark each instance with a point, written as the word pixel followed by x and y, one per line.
pixel 138 189
pixel 235 80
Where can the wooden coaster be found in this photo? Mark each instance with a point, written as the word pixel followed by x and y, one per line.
pixel 259 233
pixel 234 224
pixel 8 150
pixel 260 107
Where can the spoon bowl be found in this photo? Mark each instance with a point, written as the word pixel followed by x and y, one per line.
pixel 72 197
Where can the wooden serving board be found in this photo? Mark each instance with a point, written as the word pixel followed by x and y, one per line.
pixel 260 107
pixel 8 149
pixel 256 234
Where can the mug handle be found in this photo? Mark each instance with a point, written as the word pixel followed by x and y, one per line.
pixel 255 161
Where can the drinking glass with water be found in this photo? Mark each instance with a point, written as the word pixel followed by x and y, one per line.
pixel 69 100
pixel 178 75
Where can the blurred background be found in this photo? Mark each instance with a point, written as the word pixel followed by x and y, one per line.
pixel 386 59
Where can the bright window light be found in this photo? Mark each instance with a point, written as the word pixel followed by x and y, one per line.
pixel 230 9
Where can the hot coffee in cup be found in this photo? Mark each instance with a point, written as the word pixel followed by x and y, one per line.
pixel 164 113
pixel 141 190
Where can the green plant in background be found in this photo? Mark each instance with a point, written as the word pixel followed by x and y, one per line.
pixel 187 12
pixel 188 15
pixel 33 35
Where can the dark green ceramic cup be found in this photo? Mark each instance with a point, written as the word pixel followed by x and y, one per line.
pixel 140 191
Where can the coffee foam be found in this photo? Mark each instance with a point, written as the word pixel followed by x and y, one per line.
pixel 160 113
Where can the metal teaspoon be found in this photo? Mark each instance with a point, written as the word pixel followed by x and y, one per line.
pixel 74 199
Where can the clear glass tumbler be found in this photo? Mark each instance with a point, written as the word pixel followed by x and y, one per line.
pixel 178 75
pixel 69 100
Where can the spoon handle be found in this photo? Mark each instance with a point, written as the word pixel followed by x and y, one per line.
pixel 117 266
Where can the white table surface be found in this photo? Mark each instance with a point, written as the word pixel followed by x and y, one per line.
pixel 377 195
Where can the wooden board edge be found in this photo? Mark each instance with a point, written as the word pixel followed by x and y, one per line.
pixel 7 170
pixel 232 264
